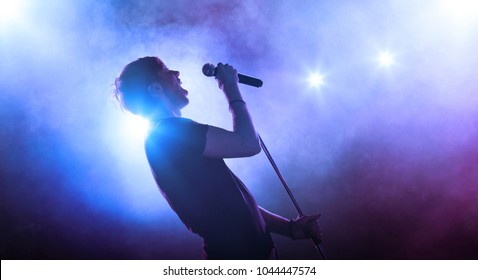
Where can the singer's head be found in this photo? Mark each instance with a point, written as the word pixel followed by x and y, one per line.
pixel 146 87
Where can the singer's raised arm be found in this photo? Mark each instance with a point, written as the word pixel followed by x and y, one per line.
pixel 242 141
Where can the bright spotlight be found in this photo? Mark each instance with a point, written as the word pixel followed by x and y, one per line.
pixel 136 126
pixel 10 11
pixel 386 59
pixel 316 80
pixel 461 11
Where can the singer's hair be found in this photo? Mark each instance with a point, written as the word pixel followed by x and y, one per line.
pixel 130 87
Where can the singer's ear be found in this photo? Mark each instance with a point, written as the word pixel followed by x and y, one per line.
pixel 155 88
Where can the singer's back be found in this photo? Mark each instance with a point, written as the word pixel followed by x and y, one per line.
pixel 208 198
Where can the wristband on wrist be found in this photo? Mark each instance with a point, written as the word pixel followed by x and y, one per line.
pixel 235 101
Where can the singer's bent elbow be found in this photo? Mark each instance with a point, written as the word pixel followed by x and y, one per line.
pixel 253 147
pixel 255 150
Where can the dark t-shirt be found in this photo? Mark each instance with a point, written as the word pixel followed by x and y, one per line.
pixel 208 198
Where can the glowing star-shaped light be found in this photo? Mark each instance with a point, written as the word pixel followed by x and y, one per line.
pixel 386 59
pixel 316 80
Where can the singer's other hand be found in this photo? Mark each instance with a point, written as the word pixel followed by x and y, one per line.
pixel 306 227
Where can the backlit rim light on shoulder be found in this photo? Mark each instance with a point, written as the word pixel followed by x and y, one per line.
pixel 136 126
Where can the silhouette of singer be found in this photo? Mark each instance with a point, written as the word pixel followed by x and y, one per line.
pixel 187 162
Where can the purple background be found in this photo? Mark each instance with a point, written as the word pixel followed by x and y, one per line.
pixel 389 156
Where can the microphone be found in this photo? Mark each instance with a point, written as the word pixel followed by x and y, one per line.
pixel 210 70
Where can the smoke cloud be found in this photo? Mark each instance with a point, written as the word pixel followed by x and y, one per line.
pixel 388 155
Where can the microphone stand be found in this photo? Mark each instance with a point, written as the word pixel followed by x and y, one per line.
pixel 286 187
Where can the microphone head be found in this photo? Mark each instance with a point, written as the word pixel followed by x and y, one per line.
pixel 208 69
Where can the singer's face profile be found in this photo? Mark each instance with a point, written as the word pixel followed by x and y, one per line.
pixel 173 90
pixel 146 86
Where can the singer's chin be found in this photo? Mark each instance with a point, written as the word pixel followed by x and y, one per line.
pixel 184 100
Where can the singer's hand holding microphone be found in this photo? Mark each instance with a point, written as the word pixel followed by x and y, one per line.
pixel 210 70
pixel 226 75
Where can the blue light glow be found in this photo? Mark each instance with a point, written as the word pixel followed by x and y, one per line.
pixel 393 135
pixel 11 12
pixel 386 59
pixel 137 127
pixel 460 12
pixel 316 80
